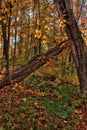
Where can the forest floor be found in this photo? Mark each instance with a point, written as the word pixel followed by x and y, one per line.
pixel 42 104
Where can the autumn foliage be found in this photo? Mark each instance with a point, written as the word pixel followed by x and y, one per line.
pixel 43 65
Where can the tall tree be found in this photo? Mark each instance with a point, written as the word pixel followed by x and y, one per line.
pixel 6 22
pixel 79 49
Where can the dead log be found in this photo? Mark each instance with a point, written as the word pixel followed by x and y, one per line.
pixel 36 62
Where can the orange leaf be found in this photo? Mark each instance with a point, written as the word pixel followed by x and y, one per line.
pixel 22 115
pixel 29 124
pixel 39 123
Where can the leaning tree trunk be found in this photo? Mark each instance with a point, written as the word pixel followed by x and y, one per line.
pixel 35 63
pixel 79 49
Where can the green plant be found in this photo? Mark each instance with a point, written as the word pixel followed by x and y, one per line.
pixel 59 107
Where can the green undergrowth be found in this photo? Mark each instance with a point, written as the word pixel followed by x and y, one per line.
pixel 41 104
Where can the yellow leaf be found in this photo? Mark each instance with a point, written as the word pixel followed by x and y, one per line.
pixel 37 33
pixel 38 22
pixel 47 18
pixel 46 26
pixel 4 21
pixel 64 21
pixel 0 18
pixel 77 111
pixel 44 42
pixel 44 37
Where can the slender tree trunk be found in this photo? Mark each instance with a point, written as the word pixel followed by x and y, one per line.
pixel 6 34
pixel 39 40
pixel 79 49
pixel 15 44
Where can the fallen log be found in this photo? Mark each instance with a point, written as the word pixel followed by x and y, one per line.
pixel 36 62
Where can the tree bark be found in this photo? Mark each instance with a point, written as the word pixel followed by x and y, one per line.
pixel 35 63
pixel 79 49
